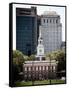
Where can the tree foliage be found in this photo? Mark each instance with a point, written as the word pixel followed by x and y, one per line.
pixel 17 67
pixel 60 57
pixel 18 57
pixel 30 58
pixel 57 55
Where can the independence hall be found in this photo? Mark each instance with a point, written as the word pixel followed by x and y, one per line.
pixel 38 35
pixel 40 70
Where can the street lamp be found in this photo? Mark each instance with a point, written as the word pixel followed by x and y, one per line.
pixel 32 73
pixel 50 70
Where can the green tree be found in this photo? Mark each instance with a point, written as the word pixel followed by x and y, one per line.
pixel 61 61
pixel 49 56
pixel 18 57
pixel 31 58
pixel 60 57
pixel 17 67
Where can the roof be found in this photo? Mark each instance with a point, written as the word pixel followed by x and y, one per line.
pixel 50 14
pixel 38 63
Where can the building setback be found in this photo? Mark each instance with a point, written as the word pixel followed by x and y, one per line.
pixel 26 30
pixel 51 30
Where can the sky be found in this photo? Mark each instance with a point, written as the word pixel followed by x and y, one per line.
pixel 59 10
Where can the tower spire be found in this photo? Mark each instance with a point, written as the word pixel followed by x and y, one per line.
pixel 40 33
pixel 40 40
pixel 40 47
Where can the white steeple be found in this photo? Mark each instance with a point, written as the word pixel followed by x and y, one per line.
pixel 40 39
pixel 40 47
pixel 40 33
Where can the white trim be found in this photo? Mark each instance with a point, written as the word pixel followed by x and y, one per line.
pixel 14 27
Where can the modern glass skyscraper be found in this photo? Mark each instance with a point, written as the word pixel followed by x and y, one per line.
pixel 26 30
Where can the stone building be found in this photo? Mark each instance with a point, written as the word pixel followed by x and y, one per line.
pixel 51 31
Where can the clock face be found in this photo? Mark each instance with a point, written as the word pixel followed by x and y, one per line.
pixel 40 50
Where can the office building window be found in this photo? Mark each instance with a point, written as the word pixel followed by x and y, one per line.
pixel 53 20
pixel 47 20
pixel 44 20
pixel 56 21
pixel 50 20
pixel 25 33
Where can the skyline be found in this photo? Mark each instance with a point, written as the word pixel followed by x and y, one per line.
pixel 41 9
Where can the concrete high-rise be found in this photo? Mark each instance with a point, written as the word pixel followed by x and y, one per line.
pixel 51 30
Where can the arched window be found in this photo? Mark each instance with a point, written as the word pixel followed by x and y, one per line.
pixel 47 68
pixel 53 67
pixel 44 67
pixel 29 68
pixel 36 68
pixel 39 67
pixel 25 68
